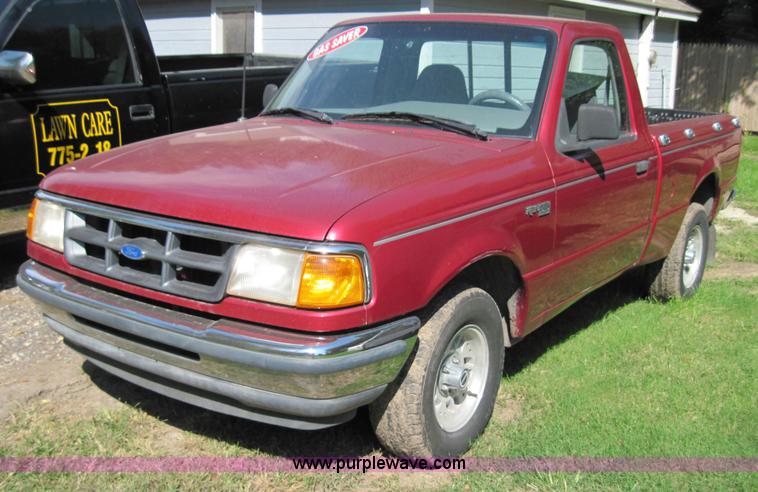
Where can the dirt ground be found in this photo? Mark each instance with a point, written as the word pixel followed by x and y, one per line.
pixel 12 220
pixel 37 367
pixel 38 370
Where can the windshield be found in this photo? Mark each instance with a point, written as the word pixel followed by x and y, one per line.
pixel 489 76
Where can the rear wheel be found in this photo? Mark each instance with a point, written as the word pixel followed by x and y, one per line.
pixel 680 274
pixel 445 396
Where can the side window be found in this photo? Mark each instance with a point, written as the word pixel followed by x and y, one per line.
pixel 594 77
pixel 75 43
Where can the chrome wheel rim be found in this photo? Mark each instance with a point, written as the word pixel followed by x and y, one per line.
pixel 693 256
pixel 460 379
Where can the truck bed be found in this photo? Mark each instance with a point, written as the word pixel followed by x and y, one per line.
pixel 684 127
pixel 657 115
pixel 183 63
pixel 684 137
pixel 206 90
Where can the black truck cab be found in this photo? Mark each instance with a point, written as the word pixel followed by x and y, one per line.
pixel 79 77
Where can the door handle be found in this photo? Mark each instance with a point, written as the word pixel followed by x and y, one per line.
pixel 642 167
pixel 141 112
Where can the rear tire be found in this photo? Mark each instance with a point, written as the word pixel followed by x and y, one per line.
pixel 445 396
pixel 680 273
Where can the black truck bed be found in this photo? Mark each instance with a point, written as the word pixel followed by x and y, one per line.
pixel 657 115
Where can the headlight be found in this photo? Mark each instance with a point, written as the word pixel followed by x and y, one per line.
pixel 45 224
pixel 296 278
pixel 266 274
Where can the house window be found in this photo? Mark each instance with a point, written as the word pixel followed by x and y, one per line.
pixel 236 26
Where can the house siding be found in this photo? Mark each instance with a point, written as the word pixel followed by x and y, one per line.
pixel 659 87
pixel 292 26
pixel 178 28
pixel 516 7
pixel 628 24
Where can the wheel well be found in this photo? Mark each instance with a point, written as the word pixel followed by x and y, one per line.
pixel 499 277
pixel 706 193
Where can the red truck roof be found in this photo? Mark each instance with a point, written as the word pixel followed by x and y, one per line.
pixel 552 23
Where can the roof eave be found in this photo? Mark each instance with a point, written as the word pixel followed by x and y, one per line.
pixel 635 8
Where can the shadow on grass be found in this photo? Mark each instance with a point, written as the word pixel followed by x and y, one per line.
pixel 13 250
pixel 593 307
pixel 353 438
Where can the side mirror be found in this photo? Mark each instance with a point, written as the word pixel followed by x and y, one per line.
pixel 17 68
pixel 597 122
pixel 268 93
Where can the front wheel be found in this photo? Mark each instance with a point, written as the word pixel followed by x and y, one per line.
pixel 444 398
pixel 680 274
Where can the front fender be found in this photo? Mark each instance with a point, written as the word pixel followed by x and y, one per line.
pixel 409 272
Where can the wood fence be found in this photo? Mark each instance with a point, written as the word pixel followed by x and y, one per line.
pixel 719 77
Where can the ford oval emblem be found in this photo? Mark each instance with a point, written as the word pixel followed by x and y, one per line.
pixel 132 251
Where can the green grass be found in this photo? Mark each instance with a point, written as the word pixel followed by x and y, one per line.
pixel 615 375
pixel 747 179
pixel 738 241
pixel 645 379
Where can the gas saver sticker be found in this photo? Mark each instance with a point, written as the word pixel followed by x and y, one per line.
pixel 337 41
pixel 67 131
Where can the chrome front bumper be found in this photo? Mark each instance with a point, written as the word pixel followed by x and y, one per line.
pixel 271 375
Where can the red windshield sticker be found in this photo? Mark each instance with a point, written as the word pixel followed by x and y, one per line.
pixel 337 41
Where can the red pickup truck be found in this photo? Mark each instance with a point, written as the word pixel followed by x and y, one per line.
pixel 422 192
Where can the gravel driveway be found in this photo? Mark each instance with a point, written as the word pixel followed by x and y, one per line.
pixel 36 367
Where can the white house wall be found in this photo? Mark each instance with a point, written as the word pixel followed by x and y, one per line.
pixel 178 29
pixel 516 7
pixel 628 24
pixel 659 87
pixel 292 26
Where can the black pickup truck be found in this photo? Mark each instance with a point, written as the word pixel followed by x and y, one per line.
pixel 79 77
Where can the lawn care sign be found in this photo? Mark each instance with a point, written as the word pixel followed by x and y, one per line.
pixel 66 131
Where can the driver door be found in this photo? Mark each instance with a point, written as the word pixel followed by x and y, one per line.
pixel 604 192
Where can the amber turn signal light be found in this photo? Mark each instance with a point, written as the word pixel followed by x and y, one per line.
pixel 30 218
pixel 331 281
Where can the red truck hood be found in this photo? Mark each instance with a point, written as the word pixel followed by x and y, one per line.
pixel 274 175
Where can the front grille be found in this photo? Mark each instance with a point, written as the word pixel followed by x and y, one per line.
pixel 177 259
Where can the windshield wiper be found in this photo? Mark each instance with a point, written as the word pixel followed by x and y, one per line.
pixel 311 114
pixel 422 119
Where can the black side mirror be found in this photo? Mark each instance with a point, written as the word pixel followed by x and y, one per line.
pixel 17 68
pixel 268 93
pixel 597 122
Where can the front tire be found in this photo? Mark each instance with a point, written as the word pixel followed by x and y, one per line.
pixel 445 396
pixel 680 274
